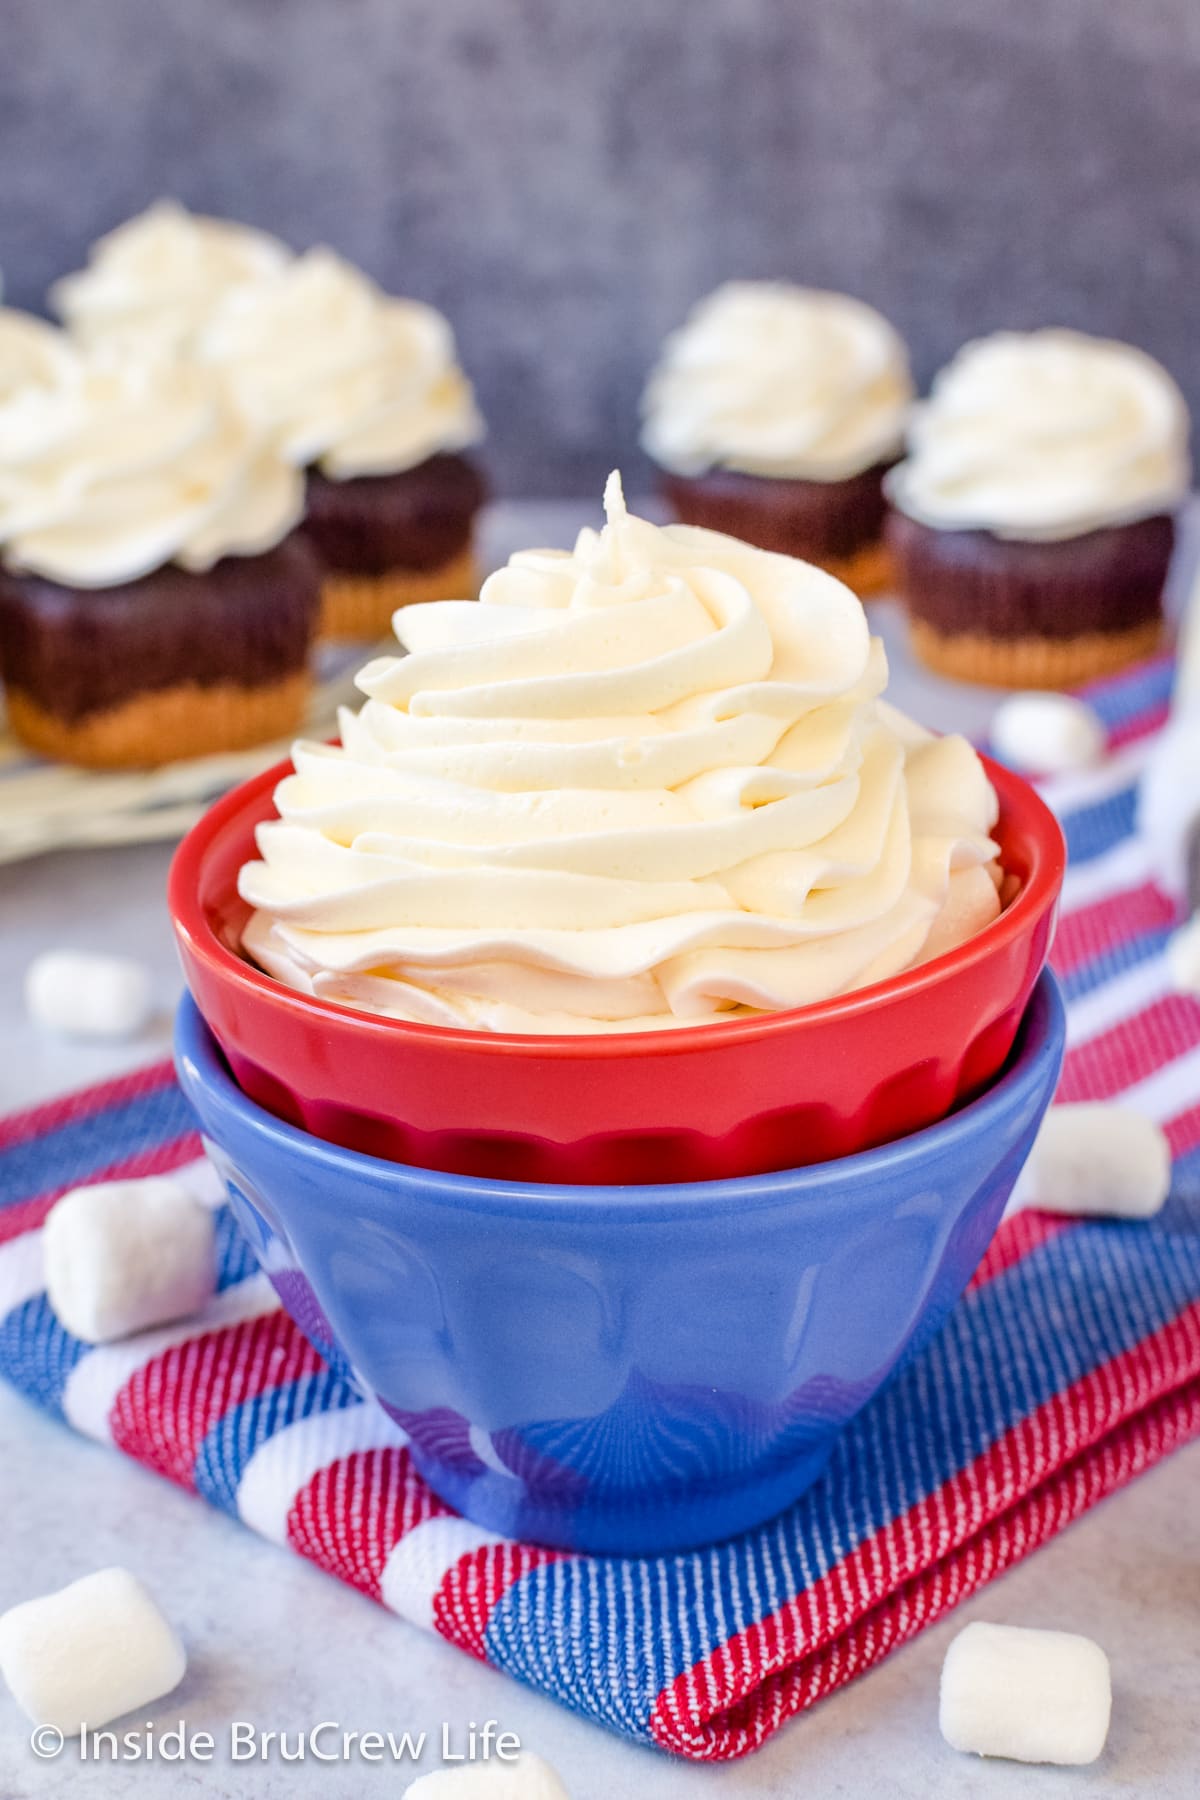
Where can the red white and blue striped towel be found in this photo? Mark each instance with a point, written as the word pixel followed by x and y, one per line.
pixel 1072 1364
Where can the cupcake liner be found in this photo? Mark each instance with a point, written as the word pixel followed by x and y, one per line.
pixel 166 724
pixel 868 572
pixel 1033 662
pixel 1032 612
pixel 361 606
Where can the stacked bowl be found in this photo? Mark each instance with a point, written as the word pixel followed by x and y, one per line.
pixel 623 1291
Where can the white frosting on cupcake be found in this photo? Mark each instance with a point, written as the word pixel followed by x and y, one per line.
pixel 642 784
pixel 37 362
pixel 125 466
pixel 1045 435
pixel 33 355
pixel 781 381
pixel 341 373
pixel 152 282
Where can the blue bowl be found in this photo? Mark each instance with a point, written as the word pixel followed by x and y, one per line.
pixel 633 1369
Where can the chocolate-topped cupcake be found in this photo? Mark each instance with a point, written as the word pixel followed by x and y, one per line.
pixel 773 415
pixel 362 390
pixel 155 599
pixel 1033 517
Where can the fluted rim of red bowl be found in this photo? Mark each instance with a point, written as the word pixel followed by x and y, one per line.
pixel 1038 892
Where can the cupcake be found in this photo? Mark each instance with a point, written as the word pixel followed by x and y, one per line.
pixel 34 359
pixel 364 391
pixel 1033 514
pixel 646 784
pixel 34 356
pixel 154 281
pixel 773 414
pixel 155 599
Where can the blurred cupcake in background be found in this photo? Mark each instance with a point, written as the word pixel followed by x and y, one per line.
pixel 153 282
pixel 156 600
pixel 773 414
pixel 35 359
pixel 34 356
pixel 364 391
pixel 1033 518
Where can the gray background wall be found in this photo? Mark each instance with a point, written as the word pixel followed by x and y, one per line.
pixel 565 178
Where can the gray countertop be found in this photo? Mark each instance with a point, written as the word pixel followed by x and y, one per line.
pixel 277 1644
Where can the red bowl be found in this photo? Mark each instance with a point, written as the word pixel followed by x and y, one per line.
pixel 741 1097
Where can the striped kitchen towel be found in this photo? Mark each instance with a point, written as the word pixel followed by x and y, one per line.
pixel 1072 1364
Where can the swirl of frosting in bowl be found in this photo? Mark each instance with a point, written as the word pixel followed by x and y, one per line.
pixel 341 373
pixel 641 784
pixel 776 380
pixel 152 282
pixel 1045 435
pixel 126 466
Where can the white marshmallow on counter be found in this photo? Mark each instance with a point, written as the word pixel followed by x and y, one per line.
pixel 1183 957
pixel 203 1180
pixel 89 1653
pixel 80 994
pixel 1046 734
pixel 1032 1696
pixel 125 1255
pixel 1097 1159
pixel 528 1778
pixel 1168 810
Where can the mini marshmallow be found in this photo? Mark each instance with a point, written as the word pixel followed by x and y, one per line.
pixel 124 1255
pixel 1097 1159
pixel 89 1653
pixel 528 1778
pixel 88 996
pixel 1033 1696
pixel 1183 957
pixel 1168 812
pixel 1047 734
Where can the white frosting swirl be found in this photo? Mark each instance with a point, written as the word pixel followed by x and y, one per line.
pixel 340 372
pixel 33 355
pixel 39 369
pixel 152 282
pixel 638 785
pixel 1045 435
pixel 777 380
pixel 125 466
